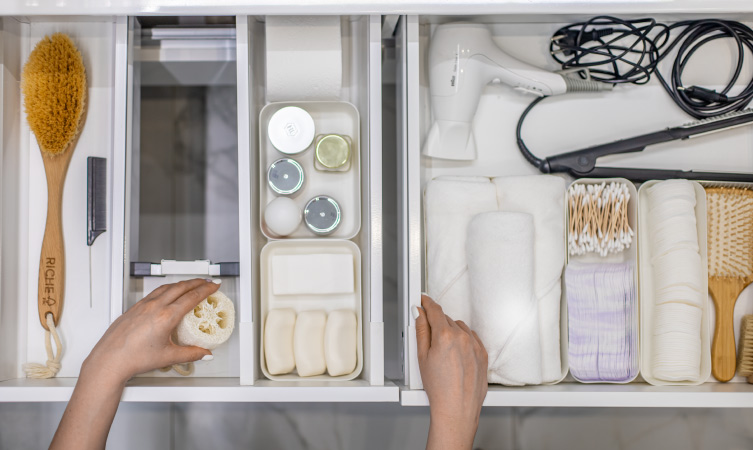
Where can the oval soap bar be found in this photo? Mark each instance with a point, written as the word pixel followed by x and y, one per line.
pixel 340 342
pixel 308 343
pixel 278 341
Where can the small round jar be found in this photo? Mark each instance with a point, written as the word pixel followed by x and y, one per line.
pixel 333 151
pixel 291 130
pixel 322 215
pixel 285 176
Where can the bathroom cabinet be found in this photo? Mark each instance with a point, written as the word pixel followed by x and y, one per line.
pixel 183 207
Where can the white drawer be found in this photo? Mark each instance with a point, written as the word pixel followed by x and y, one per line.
pixel 118 70
pixel 564 123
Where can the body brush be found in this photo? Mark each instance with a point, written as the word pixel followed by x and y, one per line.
pixel 53 83
pixel 730 240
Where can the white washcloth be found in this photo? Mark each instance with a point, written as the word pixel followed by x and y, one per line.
pixel 449 205
pixel 542 196
pixel 504 312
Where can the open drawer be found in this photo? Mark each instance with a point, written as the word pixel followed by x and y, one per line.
pixel 174 108
pixel 559 124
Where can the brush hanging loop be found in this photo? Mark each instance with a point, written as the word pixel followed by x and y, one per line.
pixel 52 366
pixel 184 369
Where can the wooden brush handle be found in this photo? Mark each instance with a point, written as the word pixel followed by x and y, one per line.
pixel 724 291
pixel 52 258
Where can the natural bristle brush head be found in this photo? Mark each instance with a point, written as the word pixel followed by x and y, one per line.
pixel 745 354
pixel 730 232
pixel 54 89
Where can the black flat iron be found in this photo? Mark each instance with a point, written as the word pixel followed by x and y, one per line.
pixel 582 163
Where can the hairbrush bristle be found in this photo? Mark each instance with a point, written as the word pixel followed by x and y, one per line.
pixel 54 88
pixel 730 232
pixel 745 354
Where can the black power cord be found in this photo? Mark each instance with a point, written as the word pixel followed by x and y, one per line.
pixel 617 51
pixel 621 51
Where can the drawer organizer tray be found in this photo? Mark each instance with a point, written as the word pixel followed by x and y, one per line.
pixel 559 124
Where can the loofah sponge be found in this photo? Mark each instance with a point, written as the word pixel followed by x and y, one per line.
pixel 54 88
pixel 210 323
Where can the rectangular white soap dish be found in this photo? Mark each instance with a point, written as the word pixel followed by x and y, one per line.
pixel 299 303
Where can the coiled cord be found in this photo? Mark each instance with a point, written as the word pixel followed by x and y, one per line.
pixel 621 51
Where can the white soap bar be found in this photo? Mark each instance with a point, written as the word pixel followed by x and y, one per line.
pixel 278 341
pixel 313 274
pixel 308 343
pixel 340 342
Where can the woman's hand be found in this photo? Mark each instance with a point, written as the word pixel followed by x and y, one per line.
pixel 139 340
pixel 453 365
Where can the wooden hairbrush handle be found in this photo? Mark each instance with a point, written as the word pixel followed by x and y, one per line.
pixel 724 291
pixel 52 258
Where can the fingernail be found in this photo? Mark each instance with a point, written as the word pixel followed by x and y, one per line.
pixel 215 281
pixel 414 312
pixel 207 358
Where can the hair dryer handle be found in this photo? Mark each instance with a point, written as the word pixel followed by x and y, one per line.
pixel 450 140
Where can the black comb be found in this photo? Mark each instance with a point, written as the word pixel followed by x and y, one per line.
pixel 96 191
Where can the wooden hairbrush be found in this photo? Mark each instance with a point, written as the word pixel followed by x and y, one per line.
pixel 730 241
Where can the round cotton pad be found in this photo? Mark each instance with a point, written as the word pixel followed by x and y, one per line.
pixel 679 267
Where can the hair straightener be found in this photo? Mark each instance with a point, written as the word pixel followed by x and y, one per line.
pixel 582 163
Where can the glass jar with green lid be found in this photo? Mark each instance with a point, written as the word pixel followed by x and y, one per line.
pixel 332 153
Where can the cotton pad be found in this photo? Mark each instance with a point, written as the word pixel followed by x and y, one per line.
pixel 679 277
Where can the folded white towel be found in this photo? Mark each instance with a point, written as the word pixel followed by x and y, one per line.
pixel 449 205
pixel 543 197
pixel 504 311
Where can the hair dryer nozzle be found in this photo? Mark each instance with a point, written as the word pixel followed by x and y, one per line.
pixel 581 85
pixel 450 140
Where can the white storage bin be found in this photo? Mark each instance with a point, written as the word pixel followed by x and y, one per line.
pixel 629 255
pixel 648 296
pixel 559 124
pixel 123 64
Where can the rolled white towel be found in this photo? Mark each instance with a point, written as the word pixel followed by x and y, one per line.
pixel 504 311
pixel 449 205
pixel 542 196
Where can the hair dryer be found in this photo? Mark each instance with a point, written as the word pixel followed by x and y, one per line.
pixel 463 59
